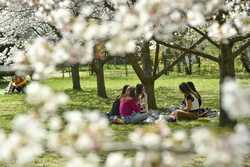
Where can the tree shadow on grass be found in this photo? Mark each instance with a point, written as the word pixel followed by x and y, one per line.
pixel 87 99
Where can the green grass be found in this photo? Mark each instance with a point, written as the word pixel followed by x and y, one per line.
pixel 166 92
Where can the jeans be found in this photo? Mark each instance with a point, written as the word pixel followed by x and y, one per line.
pixel 136 117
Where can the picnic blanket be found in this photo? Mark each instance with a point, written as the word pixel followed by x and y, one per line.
pixel 203 112
pixel 153 116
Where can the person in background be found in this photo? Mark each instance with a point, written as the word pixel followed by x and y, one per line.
pixel 130 108
pixel 18 84
pixel 142 97
pixel 189 110
pixel 192 87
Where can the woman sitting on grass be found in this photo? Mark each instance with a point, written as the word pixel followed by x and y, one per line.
pixel 191 106
pixel 116 104
pixel 18 84
pixel 192 87
pixel 130 109
pixel 142 97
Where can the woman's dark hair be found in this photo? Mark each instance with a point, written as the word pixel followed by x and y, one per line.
pixel 139 89
pixel 196 93
pixel 185 88
pixel 125 87
pixel 131 92
pixel 191 85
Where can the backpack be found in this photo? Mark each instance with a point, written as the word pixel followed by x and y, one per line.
pixel 115 111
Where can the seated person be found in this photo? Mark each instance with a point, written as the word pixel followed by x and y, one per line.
pixel 18 84
pixel 189 110
pixel 116 104
pixel 141 95
pixel 130 109
pixel 192 87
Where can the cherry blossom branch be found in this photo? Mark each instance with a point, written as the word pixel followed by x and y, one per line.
pixel 240 38
pixel 178 59
pixel 132 59
pixel 241 49
pixel 206 36
pixel 188 50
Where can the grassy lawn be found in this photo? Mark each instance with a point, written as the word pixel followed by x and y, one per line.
pixel 167 94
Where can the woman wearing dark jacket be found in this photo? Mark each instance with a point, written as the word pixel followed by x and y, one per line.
pixel 116 104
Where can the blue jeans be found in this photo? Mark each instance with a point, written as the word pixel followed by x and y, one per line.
pixel 136 117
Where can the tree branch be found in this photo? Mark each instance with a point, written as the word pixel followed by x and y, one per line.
pixel 239 38
pixel 188 50
pixel 133 60
pixel 178 59
pixel 241 49
pixel 206 36
pixel 107 58
pixel 110 7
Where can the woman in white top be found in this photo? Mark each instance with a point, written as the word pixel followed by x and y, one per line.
pixel 189 110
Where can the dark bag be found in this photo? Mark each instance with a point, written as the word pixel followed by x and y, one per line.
pixel 115 108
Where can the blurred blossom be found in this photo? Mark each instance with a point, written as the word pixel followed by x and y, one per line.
pixel 43 96
pixel 151 140
pixel 39 57
pixel 75 121
pixel 76 162
pixel 202 139
pixel 195 16
pixel 117 159
pixel 221 32
pixel 24 144
pixel 55 123
pixel 235 100
pixel 121 44
pixel 225 151
pixel 179 140
pixel 54 141
pixel 85 142
pixel 29 126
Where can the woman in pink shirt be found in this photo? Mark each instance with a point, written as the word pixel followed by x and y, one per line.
pixel 130 108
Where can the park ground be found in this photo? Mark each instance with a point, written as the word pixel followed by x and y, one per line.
pixel 167 94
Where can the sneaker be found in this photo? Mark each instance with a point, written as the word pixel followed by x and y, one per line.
pixel 117 121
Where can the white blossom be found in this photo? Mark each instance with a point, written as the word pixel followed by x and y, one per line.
pixel 235 100
pixel 117 159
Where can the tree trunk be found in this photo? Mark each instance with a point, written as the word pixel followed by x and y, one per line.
pixel 101 88
pixel 227 70
pixel 149 88
pixel 100 81
pixel 146 60
pixel 75 77
pixel 148 80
